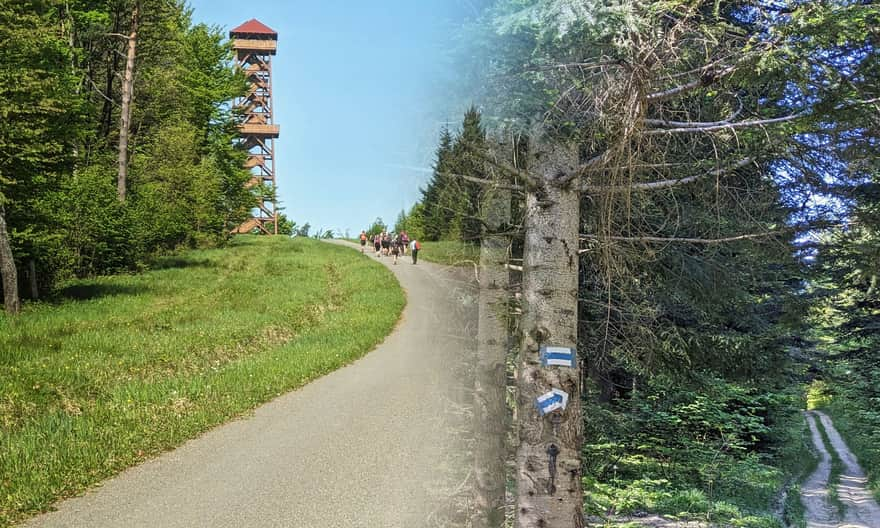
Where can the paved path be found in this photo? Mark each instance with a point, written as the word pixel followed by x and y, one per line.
pixel 367 446
pixel 860 510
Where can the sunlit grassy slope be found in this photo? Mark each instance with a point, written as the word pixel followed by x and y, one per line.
pixel 119 369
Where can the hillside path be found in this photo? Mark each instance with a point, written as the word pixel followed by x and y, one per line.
pixel 860 510
pixel 370 445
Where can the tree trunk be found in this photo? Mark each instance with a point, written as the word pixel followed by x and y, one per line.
pixel 11 301
pixel 548 457
pixel 490 408
pixel 125 117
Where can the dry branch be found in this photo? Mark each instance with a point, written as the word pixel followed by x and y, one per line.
pixel 679 240
pixel 727 126
pixel 486 182
pixel 666 184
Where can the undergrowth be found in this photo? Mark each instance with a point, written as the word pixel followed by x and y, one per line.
pixel 708 450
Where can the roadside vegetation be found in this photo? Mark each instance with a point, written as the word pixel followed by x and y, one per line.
pixel 716 451
pixel 116 370
pixel 450 253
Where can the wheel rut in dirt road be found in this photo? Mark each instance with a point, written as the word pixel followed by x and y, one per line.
pixel 860 510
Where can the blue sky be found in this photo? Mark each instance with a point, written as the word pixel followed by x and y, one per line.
pixel 361 92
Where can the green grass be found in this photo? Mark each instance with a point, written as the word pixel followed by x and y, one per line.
pixel 798 459
pixel 836 469
pixel 120 369
pixel 450 253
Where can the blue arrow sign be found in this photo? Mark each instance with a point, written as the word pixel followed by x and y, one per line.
pixel 558 356
pixel 554 400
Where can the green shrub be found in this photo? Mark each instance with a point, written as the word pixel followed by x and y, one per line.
pixel 685 502
pixel 818 395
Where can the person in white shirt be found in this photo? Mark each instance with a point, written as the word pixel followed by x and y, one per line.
pixel 414 247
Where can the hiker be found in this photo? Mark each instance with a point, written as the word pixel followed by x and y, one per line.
pixel 404 241
pixel 386 243
pixel 395 249
pixel 377 243
pixel 363 241
pixel 414 247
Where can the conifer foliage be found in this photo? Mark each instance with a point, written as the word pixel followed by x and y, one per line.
pixel 65 161
pixel 450 204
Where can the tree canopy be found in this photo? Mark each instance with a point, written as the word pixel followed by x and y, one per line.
pixel 61 83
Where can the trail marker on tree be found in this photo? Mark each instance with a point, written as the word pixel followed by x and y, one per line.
pixel 558 356
pixel 555 400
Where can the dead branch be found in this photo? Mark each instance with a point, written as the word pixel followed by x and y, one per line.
pixel 665 184
pixel 705 80
pixel 507 169
pixel 694 124
pixel 680 240
pixel 486 182
pixel 728 126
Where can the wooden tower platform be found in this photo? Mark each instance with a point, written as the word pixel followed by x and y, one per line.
pixel 255 44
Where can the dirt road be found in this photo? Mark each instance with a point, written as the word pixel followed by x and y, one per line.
pixel 371 445
pixel 860 510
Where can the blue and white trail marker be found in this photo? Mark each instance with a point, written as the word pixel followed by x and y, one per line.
pixel 558 356
pixel 554 400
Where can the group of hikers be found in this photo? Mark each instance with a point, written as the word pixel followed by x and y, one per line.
pixel 391 245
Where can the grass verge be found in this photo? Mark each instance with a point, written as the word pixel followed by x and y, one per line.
pixel 798 459
pixel 450 253
pixel 120 369
pixel 836 470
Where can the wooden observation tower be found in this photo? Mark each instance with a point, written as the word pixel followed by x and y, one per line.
pixel 254 46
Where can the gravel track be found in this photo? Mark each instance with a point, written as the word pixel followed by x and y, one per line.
pixel 860 510
pixel 375 444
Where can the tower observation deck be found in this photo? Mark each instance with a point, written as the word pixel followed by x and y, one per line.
pixel 255 44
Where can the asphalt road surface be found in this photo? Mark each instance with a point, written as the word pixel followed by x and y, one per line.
pixel 377 444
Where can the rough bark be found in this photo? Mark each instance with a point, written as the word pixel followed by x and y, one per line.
pixel 490 408
pixel 548 494
pixel 127 93
pixel 11 301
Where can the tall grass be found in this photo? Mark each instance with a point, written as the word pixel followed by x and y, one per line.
pixel 450 253
pixel 117 370
pixel 836 469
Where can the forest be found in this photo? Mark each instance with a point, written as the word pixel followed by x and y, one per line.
pixel 723 160
pixel 116 139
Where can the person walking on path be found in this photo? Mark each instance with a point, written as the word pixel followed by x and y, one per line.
pixel 377 243
pixel 363 241
pixel 414 247
pixel 404 241
pixel 386 244
pixel 395 249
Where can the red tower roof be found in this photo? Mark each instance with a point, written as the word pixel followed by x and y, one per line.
pixel 253 27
